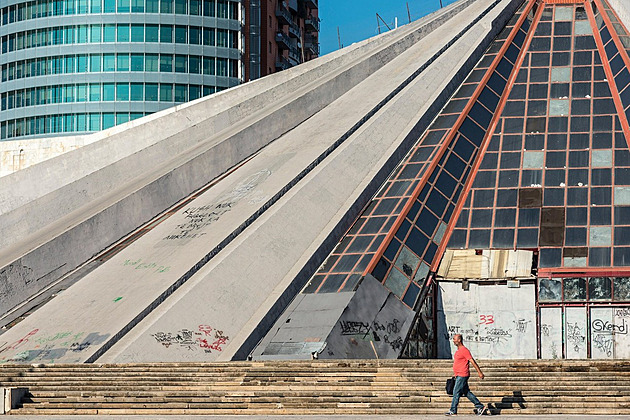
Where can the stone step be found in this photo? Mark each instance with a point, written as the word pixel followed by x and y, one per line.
pixel 313 387
pixel 353 409
pixel 591 400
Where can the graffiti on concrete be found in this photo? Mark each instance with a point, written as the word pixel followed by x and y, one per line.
pixel 621 312
pixel 141 265
pixel 387 332
pixel 198 218
pixel 521 325
pixel 607 327
pixel 204 338
pixel 576 336
pixel 49 348
pixel 16 344
pixel 604 343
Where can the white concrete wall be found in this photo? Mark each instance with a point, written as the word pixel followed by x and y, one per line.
pixel 492 328
pixel 57 214
pixel 245 261
pixel 622 8
pixel 16 155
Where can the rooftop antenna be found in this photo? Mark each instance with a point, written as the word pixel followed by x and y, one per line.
pixel 441 4
pixel 339 38
pixel 409 14
pixel 378 17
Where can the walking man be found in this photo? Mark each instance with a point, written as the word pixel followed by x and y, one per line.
pixel 462 373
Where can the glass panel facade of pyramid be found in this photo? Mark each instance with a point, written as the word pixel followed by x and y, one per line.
pixel 367 239
pixel 556 175
pixel 530 153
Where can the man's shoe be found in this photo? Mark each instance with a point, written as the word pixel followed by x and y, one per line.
pixel 450 413
pixel 481 411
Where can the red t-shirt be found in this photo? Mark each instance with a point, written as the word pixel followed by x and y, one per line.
pixel 460 364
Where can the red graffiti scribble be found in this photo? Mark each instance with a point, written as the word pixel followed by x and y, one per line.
pixel 216 345
pixel 206 329
pixel 19 342
pixel 219 342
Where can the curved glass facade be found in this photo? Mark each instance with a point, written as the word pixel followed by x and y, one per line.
pixel 77 66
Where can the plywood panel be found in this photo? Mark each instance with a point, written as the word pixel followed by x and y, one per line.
pixel 575 332
pixel 492 328
pixel 621 321
pixel 601 333
pixel 551 333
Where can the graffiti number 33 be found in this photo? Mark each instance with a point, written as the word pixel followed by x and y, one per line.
pixel 486 319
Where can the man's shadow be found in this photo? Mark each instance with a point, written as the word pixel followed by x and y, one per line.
pixel 507 403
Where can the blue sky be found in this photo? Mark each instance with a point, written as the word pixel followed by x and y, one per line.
pixel 356 19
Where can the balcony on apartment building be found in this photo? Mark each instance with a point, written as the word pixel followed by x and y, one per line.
pixel 283 40
pixel 311 43
pixel 283 14
pixel 295 55
pixel 282 63
pixel 294 30
pixel 311 4
pixel 311 23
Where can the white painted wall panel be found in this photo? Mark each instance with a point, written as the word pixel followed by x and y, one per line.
pixel 621 320
pixel 551 333
pixel 495 321
pixel 601 333
pixel 575 332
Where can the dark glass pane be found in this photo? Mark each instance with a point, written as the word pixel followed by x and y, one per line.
pixel 507 198
pixel 346 263
pixel 576 216
pixel 622 288
pixel 550 257
pixel 505 218
pixel 411 295
pixel 313 284
pixel 528 217
pixel 332 284
pixel 622 235
pixel 503 238
pixel 417 241
pixel 577 197
pixel 549 290
pixel 599 257
pixel 535 142
pixel 600 288
pixel 508 179
pixel 485 179
pixel 575 289
pixel 479 239
pixel 427 222
pixel 527 238
pixel 601 196
pixel 575 237
pixel 458 239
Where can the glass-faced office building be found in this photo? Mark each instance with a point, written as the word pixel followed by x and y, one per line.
pixel 77 66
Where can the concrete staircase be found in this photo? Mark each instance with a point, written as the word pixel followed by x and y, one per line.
pixel 318 387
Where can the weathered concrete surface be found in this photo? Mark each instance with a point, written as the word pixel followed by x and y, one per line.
pixel 16 155
pixel 288 239
pixel 281 249
pixel 95 195
pixel 373 325
pixel 622 8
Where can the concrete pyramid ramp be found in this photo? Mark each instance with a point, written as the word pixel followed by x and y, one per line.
pixel 207 282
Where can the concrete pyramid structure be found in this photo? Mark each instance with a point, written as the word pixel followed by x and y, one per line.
pixel 306 214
